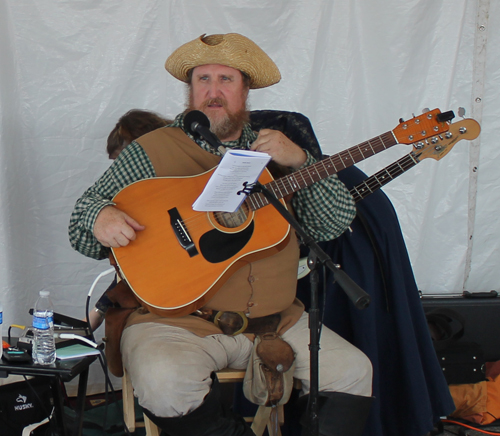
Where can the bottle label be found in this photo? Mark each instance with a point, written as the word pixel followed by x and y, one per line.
pixel 43 323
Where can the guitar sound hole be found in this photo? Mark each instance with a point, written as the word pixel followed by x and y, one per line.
pixel 230 220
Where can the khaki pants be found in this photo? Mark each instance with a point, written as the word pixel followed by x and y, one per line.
pixel 170 367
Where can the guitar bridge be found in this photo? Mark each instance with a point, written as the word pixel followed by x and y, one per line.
pixel 181 232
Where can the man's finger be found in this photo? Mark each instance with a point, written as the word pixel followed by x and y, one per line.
pixel 133 223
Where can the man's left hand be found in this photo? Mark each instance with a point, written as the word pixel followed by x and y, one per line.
pixel 280 148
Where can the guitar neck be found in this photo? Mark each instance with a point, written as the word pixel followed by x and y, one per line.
pixel 372 183
pixel 322 169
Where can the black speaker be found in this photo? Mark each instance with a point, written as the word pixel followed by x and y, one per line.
pixel 481 320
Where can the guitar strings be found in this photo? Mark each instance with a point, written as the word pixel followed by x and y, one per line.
pixel 331 165
pixel 224 219
pixel 322 168
pixel 304 177
pixel 382 177
pixel 301 178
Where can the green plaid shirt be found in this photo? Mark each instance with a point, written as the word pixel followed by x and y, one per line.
pixel 325 209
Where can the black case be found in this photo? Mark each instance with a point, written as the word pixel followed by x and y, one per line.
pixel 482 320
pixel 463 360
pixel 23 403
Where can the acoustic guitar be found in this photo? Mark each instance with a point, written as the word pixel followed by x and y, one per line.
pixel 183 257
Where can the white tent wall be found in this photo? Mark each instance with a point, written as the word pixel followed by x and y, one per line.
pixel 70 69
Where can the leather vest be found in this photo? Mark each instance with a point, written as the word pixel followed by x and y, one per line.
pixel 258 288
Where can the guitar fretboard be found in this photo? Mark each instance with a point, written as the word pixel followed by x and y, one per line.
pixel 372 183
pixel 320 170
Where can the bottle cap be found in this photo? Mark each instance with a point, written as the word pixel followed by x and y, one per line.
pixel 44 293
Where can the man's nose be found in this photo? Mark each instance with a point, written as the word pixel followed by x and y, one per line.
pixel 214 90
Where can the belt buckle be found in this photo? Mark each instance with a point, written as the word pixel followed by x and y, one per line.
pixel 242 316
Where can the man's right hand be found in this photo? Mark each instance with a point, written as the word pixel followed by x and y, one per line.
pixel 114 228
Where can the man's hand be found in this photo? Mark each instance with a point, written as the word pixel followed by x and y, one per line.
pixel 280 148
pixel 114 228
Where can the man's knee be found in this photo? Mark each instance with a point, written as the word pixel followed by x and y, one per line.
pixel 351 373
pixel 358 374
pixel 167 389
pixel 362 376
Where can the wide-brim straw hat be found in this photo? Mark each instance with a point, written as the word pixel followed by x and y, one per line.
pixel 232 50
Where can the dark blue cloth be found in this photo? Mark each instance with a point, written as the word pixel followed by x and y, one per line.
pixel 408 383
pixel 409 387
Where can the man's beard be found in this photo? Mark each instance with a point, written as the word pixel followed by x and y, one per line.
pixel 230 124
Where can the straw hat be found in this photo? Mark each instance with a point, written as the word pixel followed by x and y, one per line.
pixel 232 50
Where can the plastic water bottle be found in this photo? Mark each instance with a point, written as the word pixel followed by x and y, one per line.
pixel 44 348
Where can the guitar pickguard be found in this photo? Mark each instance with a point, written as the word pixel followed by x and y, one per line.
pixel 217 246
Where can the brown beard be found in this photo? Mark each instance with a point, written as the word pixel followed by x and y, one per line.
pixel 232 122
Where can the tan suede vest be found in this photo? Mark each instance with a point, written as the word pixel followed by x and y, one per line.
pixel 258 288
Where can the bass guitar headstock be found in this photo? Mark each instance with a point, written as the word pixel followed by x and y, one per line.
pixel 440 145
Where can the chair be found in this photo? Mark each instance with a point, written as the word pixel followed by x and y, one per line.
pixel 260 421
pixel 129 409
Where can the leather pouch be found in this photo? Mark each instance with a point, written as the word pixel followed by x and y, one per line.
pixel 269 377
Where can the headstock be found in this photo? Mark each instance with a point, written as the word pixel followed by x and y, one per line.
pixel 424 126
pixel 440 145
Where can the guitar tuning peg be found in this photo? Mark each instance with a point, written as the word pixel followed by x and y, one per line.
pixel 425 110
pixel 461 112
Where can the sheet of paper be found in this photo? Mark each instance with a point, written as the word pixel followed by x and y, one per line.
pixel 74 351
pixel 236 168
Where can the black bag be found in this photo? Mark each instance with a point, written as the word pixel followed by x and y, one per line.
pixel 462 362
pixel 24 403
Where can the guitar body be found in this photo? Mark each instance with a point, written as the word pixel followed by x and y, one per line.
pixel 183 257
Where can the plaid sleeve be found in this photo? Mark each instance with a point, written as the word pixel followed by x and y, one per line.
pixel 131 165
pixel 326 208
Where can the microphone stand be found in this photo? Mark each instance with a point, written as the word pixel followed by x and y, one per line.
pixel 197 123
pixel 357 295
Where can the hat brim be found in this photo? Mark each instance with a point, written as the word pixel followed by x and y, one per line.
pixel 232 50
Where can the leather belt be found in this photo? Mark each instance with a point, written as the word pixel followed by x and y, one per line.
pixel 234 323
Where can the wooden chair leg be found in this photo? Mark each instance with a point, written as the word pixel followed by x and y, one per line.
pixel 129 409
pixel 151 428
pixel 128 402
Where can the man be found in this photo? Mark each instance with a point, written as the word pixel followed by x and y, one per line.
pixel 170 360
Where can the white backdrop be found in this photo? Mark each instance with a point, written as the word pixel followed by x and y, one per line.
pixel 69 69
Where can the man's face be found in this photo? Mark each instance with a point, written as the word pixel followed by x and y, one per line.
pixel 221 94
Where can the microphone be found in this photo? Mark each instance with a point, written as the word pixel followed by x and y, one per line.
pixel 198 124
